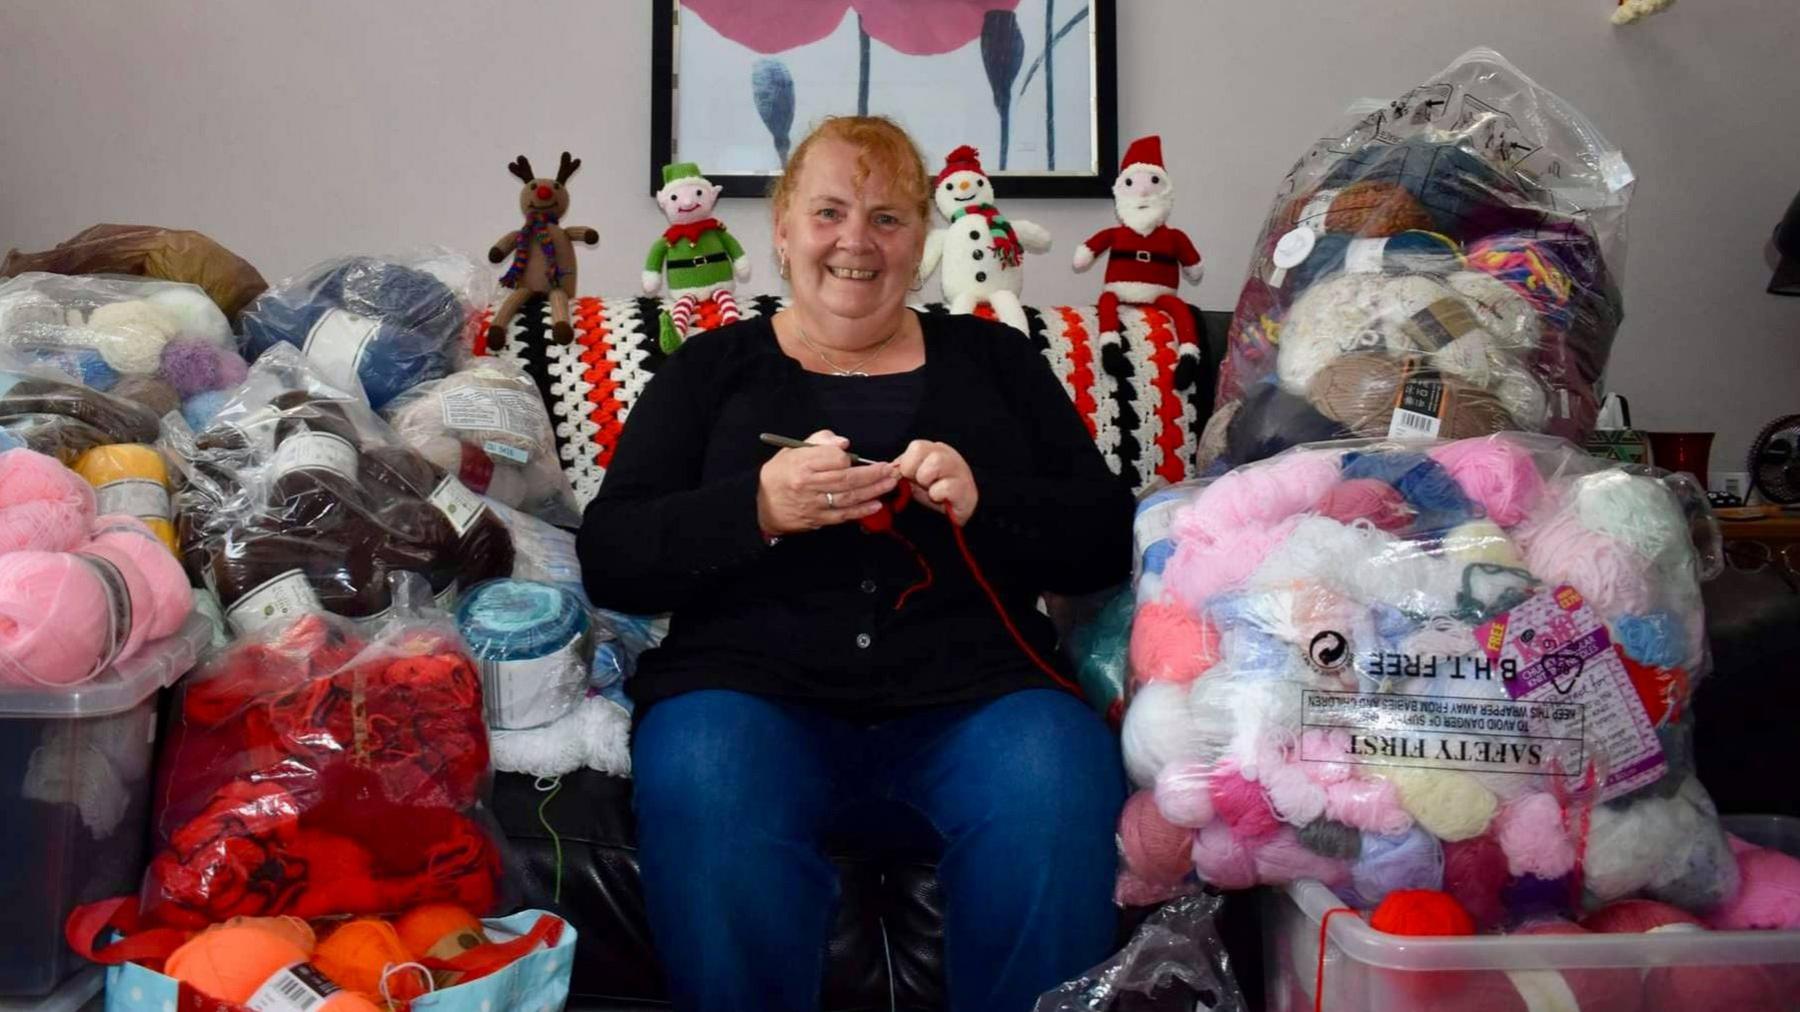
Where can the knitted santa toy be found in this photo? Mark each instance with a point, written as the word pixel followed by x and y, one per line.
pixel 981 250
pixel 1147 259
pixel 702 260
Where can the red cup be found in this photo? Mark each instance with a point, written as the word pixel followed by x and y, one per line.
pixel 1682 451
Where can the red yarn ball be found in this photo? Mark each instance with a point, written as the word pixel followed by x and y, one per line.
pixel 1366 499
pixel 1475 874
pixel 1421 913
pixel 1630 917
pixel 1155 850
pixel 1170 645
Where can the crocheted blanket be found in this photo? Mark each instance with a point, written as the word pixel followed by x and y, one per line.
pixel 1143 395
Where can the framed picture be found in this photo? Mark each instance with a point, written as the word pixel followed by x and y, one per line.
pixel 1030 83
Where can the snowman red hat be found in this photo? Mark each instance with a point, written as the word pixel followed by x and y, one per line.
pixel 963 159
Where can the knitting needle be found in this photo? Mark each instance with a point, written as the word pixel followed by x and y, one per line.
pixel 790 443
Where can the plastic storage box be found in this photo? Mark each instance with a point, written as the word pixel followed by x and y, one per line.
pixel 75 802
pixel 1365 970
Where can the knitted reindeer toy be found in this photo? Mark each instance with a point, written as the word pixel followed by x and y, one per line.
pixel 543 252
pixel 702 260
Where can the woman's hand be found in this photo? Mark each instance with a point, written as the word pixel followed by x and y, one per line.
pixel 817 486
pixel 943 476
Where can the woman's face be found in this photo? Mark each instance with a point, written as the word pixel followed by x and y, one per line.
pixel 852 253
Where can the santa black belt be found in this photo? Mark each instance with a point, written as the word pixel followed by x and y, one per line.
pixel 710 258
pixel 1144 256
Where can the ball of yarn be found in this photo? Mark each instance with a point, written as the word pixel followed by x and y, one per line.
pixel 200 410
pixel 1154 849
pixel 355 955
pixel 1421 913
pixel 1331 839
pixel 195 314
pixel 1347 313
pixel 1531 832
pixel 1293 796
pixel 531 641
pixel 1534 270
pixel 1657 639
pixel 1360 389
pixel 409 296
pixel 1633 509
pixel 350 351
pixel 230 962
pixel 1222 859
pixel 1495 472
pixel 152 394
pixel 1157 731
pixel 1169 644
pixel 445 930
pixel 1410 860
pixel 1421 481
pixel 44 506
pixel 1205 566
pixel 194 365
pixel 133 480
pixel 169 598
pixel 1506 317
pixel 1768 894
pixel 1281 858
pixel 130 335
pixel 1451 805
pixel 1590 988
pixel 1368 207
pixel 1183 793
pixel 1614 578
pixel 1481 543
pixel 1631 917
pixel 56 618
pixel 1475 873
pixel 83 365
pixel 1371 805
pixel 1257 496
pixel 1414 251
pixel 1366 499
pixel 1242 805
pixel 1270 420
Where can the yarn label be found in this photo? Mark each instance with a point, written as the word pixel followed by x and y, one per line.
pixel 1473 733
pixel 512 412
pixel 316 450
pixel 118 606
pixel 1419 411
pixel 1565 655
pixel 275 600
pixel 506 452
pixel 133 497
pixel 296 988
pixel 336 344
pixel 532 692
pixel 1363 256
pixel 458 505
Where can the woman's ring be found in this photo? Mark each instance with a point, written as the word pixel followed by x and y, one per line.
pixel 830 501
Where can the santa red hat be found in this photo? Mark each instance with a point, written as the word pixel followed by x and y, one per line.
pixel 963 159
pixel 1146 151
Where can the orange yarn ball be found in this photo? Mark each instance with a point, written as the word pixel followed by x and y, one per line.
pixel 1421 913
pixel 291 928
pixel 439 930
pixel 355 955
pixel 230 962
pixel 1370 208
pixel 350 1001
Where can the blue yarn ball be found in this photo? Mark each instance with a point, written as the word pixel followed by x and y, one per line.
pixel 389 358
pixel 1657 639
pixel 199 410
pixel 1412 860
pixel 83 365
pixel 1435 496
pixel 1467 196
pixel 508 619
pixel 396 294
pixel 1157 555
pixel 1410 252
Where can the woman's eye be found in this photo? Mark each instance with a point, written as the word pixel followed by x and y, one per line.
pixel 827 213
pixel 887 219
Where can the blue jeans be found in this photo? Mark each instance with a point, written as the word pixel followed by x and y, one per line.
pixel 735 794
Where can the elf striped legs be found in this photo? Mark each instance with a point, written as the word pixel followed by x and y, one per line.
pixel 682 313
pixel 686 309
pixel 728 310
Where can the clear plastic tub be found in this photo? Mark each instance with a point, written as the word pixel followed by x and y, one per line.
pixel 75 802
pixel 1365 970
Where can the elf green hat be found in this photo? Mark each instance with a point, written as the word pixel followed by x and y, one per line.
pixel 680 170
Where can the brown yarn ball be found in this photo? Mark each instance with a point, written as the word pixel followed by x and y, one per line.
pixel 1360 391
pixel 149 392
pixel 1370 208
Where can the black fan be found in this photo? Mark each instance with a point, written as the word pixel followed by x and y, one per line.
pixel 1775 461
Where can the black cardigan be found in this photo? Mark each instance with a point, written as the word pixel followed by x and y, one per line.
pixel 813 618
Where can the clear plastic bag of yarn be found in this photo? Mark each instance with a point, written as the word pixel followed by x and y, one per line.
pixel 487 424
pixel 45 409
pixel 298 497
pixel 1175 959
pixel 373 325
pixel 534 643
pixel 1447 265
pixel 1420 665
pixel 315 769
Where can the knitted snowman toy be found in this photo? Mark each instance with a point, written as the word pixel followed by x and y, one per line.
pixel 1147 258
pixel 703 261
pixel 981 250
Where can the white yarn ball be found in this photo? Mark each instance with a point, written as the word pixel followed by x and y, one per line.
pixel 1350 312
pixel 130 335
pixel 1321 551
pixel 1521 394
pixel 1406 577
pixel 195 313
pixel 1158 730
pixel 1481 541
pixel 1634 509
pixel 26 314
pixel 1468 358
pixel 1501 311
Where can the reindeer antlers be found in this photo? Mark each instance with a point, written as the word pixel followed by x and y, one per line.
pixel 567 168
pixel 522 169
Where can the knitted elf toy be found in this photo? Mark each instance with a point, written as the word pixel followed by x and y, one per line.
pixel 703 261
pixel 543 251
pixel 981 251
pixel 1146 258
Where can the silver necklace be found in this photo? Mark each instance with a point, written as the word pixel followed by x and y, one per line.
pixel 858 368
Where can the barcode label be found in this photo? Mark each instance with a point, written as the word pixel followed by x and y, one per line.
pixel 296 988
pixel 1411 423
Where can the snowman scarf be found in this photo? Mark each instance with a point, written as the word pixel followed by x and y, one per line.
pixel 1006 241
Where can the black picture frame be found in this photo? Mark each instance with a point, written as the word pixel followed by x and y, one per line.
pixel 1006 184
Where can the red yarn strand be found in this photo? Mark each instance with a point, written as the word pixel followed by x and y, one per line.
pixel 1319 977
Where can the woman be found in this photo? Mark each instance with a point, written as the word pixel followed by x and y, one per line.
pixel 833 668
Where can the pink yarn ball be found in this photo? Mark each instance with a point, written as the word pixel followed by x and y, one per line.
pixel 44 506
pixel 1203 567
pixel 1295 797
pixel 54 620
pixel 1366 499
pixel 169 597
pixel 1222 859
pixel 1495 472
pixel 1282 858
pixel 1242 805
pixel 1371 805
pixel 1184 793
pixel 1475 873
pixel 1614 578
pixel 1531 833
pixel 1768 897
pixel 1131 891
pixel 1154 849
pixel 1315 744
pixel 1260 495
pixel 1169 644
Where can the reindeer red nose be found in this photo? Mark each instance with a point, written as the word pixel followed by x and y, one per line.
pixel 543 193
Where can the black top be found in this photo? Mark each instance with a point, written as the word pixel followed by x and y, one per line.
pixel 813 617
pixel 874 412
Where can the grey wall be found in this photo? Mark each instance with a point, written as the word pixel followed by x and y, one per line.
pixel 295 131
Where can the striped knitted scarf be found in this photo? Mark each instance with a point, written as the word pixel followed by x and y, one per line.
pixel 537 226
pixel 1006 241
